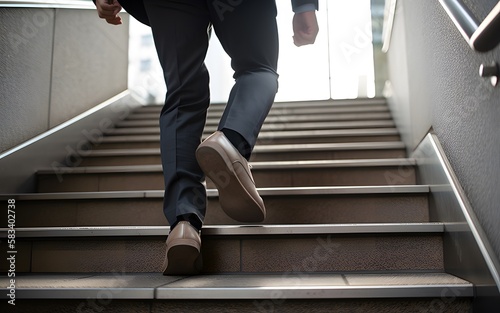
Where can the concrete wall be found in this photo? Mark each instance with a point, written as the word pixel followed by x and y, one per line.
pixel 435 85
pixel 54 65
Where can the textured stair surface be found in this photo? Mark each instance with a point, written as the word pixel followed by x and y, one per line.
pixel 347 226
pixel 299 292
pixel 237 249
pixel 283 174
pixel 268 137
pixel 300 205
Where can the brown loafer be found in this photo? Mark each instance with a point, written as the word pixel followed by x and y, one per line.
pixel 183 255
pixel 230 173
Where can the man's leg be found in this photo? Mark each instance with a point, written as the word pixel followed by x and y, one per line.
pixel 180 31
pixel 248 33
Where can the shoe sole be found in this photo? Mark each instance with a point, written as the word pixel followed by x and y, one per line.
pixel 234 200
pixel 184 258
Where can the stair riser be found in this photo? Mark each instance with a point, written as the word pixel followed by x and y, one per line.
pixel 280 210
pixel 336 139
pixel 361 176
pixel 256 157
pixel 278 111
pixel 369 176
pixel 278 304
pixel 245 254
pixel 128 145
pixel 328 155
pixel 264 141
pixel 148 120
pixel 270 127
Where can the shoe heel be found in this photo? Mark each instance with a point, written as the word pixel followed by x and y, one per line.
pixel 183 260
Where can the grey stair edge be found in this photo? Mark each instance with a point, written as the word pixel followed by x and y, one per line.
pixel 283 105
pixel 263 286
pixel 330 146
pixel 332 163
pixel 102 169
pixel 383 145
pixel 230 293
pixel 342 190
pixel 276 191
pixel 278 109
pixel 124 152
pixel 227 230
pixel 320 292
pixel 332 117
pixel 275 134
pixel 314 103
pixel 285 118
pixel 271 126
pixel 129 138
pixel 153 116
pixel 331 132
pixel 264 165
pixel 127 293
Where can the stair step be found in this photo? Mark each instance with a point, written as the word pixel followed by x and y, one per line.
pixel 285 120
pixel 329 136
pixel 238 287
pixel 346 226
pixel 152 119
pixel 269 137
pixel 269 127
pixel 266 174
pixel 238 249
pixel 329 151
pixel 228 230
pixel 282 152
pixel 302 205
pixel 347 103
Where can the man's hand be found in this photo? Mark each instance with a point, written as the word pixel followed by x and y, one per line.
pixel 305 28
pixel 108 10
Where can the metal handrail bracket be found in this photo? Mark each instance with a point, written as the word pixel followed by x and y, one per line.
pixel 481 37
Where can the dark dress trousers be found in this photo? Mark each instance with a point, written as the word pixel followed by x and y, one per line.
pixel 181 30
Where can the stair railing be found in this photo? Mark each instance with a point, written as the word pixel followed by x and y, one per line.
pixel 481 37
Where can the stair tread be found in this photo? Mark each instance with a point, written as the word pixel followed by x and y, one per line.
pixel 266 148
pixel 272 126
pixel 298 104
pixel 287 191
pixel 282 118
pixel 302 108
pixel 239 286
pixel 229 230
pixel 275 134
pixel 255 165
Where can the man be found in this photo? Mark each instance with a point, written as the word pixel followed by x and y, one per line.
pixel 248 33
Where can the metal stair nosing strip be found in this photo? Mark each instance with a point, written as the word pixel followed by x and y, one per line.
pixel 269 127
pixel 275 191
pixel 228 230
pixel 268 135
pixel 304 104
pixel 264 148
pixel 232 287
pixel 256 166
pixel 284 117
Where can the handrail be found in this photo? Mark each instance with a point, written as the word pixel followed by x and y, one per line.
pixel 481 37
pixel 67 4
pixel 389 14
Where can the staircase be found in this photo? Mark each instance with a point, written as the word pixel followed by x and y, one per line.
pixel 347 228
